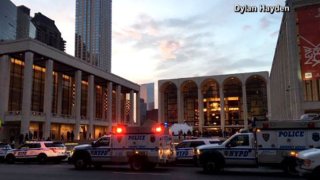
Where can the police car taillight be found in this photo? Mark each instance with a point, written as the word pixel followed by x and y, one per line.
pixel 119 130
pixel 157 129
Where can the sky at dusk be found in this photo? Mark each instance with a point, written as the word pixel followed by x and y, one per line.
pixel 166 39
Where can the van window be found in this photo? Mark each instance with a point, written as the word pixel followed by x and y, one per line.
pixel 240 140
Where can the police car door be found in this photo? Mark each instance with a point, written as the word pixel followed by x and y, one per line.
pixel 21 152
pixel 100 151
pixel 182 150
pixel 239 150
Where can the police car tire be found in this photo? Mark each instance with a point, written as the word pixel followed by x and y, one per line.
pixel 137 164
pixel 80 163
pixel 211 166
pixel 42 158
pixel 10 159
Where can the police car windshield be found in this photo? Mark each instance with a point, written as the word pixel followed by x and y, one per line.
pixel 54 144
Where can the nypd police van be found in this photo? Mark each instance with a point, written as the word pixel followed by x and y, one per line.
pixel 272 143
pixel 140 147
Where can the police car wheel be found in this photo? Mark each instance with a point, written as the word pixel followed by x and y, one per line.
pixel 136 164
pixel 10 159
pixel 80 163
pixel 42 158
pixel 210 166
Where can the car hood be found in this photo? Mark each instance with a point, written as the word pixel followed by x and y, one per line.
pixel 314 152
pixel 208 146
pixel 83 146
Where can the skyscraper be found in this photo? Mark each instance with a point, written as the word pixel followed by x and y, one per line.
pixel 93 32
pixel 47 32
pixel 147 93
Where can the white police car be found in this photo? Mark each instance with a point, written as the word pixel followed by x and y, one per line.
pixel 4 147
pixel 186 149
pixel 40 151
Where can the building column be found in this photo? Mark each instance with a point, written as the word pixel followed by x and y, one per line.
pixel 222 113
pixel 47 104
pixel 161 107
pixel 180 105
pixel 60 88
pixel 138 118
pixel 200 110
pixel 131 113
pixel 244 106
pixel 90 105
pixel 27 92
pixel 109 105
pixel 78 79
pixel 118 104
pixel 4 85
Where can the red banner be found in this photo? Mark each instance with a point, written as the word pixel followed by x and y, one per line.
pixel 308 22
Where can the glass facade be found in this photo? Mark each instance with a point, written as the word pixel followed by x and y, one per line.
pixel 8 20
pixel 170 104
pixel 256 98
pixel 99 101
pixel 67 95
pixel 93 32
pixel 84 99
pixel 38 89
pixel 190 103
pixel 16 83
pixel 211 103
pixel 232 89
pixel 311 90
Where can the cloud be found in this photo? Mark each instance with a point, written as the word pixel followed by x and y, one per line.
pixel 264 22
pixel 246 27
pixel 169 48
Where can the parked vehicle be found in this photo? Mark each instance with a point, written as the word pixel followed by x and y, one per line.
pixel 40 151
pixel 4 147
pixel 308 163
pixel 273 143
pixel 187 148
pixel 140 147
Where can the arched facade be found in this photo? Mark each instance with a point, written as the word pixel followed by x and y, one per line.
pixel 215 105
pixel 257 101
pixel 189 91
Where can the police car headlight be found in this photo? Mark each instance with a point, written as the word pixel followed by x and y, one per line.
pixel 198 151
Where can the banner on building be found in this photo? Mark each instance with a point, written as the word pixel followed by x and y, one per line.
pixel 308 22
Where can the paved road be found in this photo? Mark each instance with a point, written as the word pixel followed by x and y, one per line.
pixel 67 172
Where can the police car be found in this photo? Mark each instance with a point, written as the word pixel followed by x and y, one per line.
pixel 140 147
pixel 40 151
pixel 4 147
pixel 186 149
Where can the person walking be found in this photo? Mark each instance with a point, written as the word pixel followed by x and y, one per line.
pixel 72 136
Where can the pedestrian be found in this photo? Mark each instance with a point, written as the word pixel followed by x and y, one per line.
pixel 26 138
pixel 68 136
pixel 62 137
pixel 72 136
pixel 20 138
pixel 12 143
